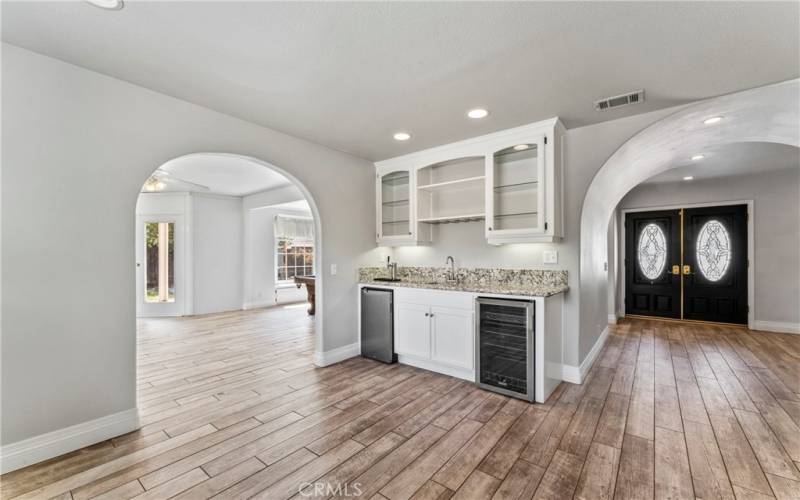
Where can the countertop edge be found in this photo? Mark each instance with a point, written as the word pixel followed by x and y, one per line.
pixel 425 286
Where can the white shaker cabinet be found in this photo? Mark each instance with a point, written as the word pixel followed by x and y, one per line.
pixel 412 329
pixel 452 336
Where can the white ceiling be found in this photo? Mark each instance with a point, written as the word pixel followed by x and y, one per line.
pixel 727 160
pixel 294 206
pixel 221 174
pixel 348 75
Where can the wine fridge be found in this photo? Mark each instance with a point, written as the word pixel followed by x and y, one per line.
pixel 504 350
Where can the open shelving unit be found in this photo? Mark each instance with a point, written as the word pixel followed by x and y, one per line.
pixel 451 191
pixel 508 184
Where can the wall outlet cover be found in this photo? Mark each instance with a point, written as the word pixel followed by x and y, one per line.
pixel 334 269
pixel 550 257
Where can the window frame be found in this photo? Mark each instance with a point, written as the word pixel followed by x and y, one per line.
pixel 306 244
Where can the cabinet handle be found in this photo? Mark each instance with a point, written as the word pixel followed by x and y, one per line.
pixel 409 233
pixel 426 315
pixel 431 315
pixel 490 229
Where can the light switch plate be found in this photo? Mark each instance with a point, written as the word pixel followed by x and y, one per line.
pixel 550 257
pixel 334 269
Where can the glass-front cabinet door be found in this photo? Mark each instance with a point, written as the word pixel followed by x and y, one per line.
pixel 515 190
pixel 394 192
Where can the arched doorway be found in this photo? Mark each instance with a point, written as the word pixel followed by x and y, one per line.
pixel 165 300
pixel 766 114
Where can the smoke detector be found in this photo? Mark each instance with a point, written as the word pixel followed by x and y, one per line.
pixel 619 100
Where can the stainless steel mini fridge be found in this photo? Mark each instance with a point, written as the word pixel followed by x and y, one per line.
pixel 504 346
pixel 377 324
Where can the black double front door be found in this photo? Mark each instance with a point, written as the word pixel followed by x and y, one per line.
pixel 687 264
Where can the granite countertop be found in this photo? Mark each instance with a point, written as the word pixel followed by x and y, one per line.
pixel 499 288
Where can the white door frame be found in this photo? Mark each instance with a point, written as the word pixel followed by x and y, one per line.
pixel 751 268
pixel 155 309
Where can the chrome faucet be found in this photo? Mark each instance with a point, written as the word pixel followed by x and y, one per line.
pixel 392 267
pixel 451 274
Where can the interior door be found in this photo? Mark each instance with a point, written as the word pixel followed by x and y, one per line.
pixel 652 263
pixel 715 264
pixel 159 265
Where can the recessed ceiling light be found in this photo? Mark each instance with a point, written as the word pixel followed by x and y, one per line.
pixel 107 4
pixel 697 157
pixel 402 136
pixel 688 178
pixel 521 147
pixel 712 120
pixel 477 113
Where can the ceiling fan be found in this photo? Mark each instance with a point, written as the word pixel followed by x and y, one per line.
pixel 161 178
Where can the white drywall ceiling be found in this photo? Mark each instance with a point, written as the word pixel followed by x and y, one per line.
pixel 348 75
pixel 727 160
pixel 221 174
pixel 295 206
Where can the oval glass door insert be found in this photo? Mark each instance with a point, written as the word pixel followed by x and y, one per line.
pixel 652 251
pixel 713 250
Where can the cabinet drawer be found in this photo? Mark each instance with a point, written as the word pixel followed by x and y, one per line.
pixel 440 298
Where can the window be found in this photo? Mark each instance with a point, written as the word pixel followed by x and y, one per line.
pixel 159 267
pixel 652 251
pixel 713 250
pixel 294 247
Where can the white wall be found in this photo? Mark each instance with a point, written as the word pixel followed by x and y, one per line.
pixel 259 215
pixel 218 249
pixel 77 147
pixel 776 207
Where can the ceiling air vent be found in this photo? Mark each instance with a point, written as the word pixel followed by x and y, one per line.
pixel 619 100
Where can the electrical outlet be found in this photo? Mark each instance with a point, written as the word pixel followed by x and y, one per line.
pixel 550 257
pixel 334 269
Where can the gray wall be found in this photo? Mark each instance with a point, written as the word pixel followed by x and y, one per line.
pixel 77 147
pixel 776 208
pixel 587 149
pixel 218 251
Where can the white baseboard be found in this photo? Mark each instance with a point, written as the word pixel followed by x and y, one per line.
pixel 52 444
pixel 335 355
pixel 575 374
pixel 612 319
pixel 776 326
pixel 258 303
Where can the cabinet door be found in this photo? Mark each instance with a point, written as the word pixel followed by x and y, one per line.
pixel 515 190
pixel 394 199
pixel 412 330
pixel 452 334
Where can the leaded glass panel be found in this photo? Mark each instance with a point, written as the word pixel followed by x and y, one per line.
pixel 713 250
pixel 652 251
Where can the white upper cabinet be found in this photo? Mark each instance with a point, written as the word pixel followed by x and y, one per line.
pixel 394 190
pixel 511 181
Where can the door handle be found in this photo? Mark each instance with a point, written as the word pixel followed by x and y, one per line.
pixel 676 269
pixel 687 269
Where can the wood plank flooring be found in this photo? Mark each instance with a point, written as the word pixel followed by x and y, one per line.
pixel 232 407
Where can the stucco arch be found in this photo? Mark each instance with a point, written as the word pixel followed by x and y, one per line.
pixel 764 114
pixel 319 316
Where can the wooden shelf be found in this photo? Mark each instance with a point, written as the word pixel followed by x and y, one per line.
pixel 453 218
pixel 455 183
